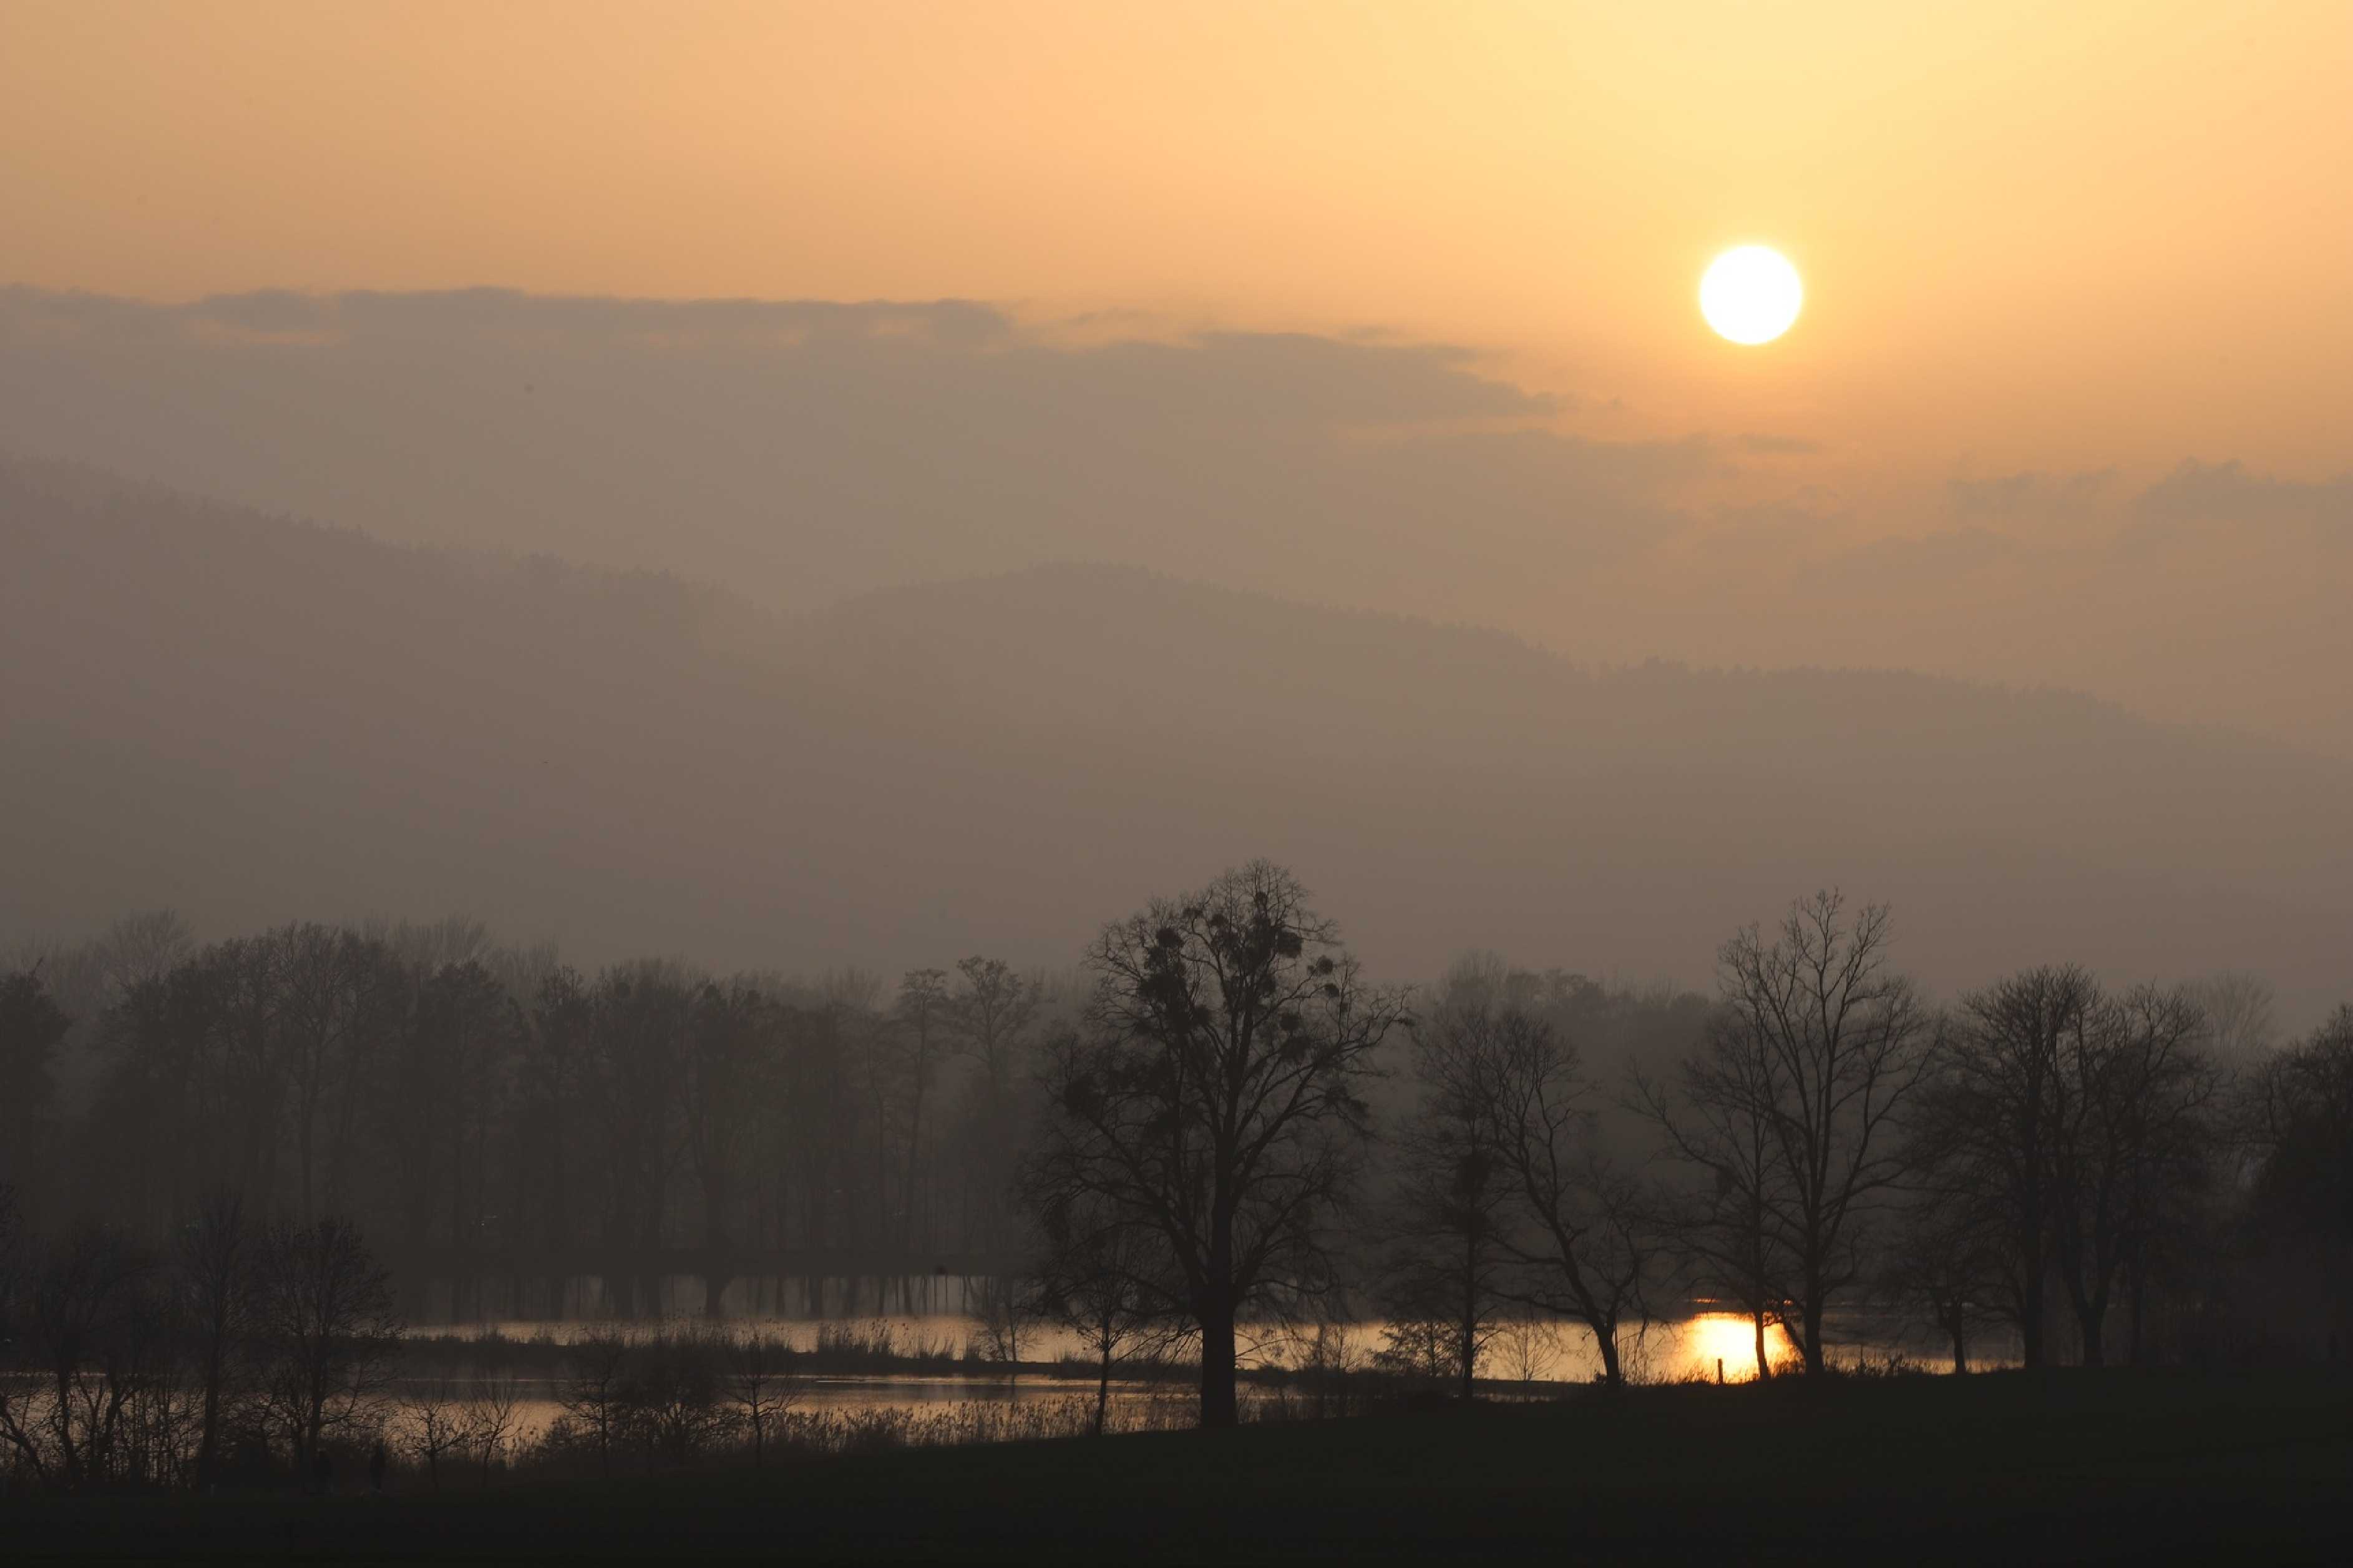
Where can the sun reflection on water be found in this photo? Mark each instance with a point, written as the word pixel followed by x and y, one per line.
pixel 1728 1340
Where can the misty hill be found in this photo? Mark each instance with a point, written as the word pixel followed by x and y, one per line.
pixel 255 720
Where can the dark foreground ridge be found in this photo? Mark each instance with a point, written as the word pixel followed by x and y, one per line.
pixel 2004 1467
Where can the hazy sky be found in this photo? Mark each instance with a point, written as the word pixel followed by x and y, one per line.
pixel 2066 402
pixel 2036 234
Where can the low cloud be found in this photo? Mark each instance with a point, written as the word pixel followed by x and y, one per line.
pixel 2030 494
pixel 803 450
pixel 2230 493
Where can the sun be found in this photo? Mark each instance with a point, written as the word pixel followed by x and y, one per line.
pixel 1751 294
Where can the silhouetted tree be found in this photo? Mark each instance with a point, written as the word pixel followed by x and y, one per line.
pixel 93 1336
pixel 639 1037
pixel 2130 1153
pixel 730 1068
pixel 2301 1197
pixel 1212 1101
pixel 1792 1103
pixel 1989 1119
pixel 2069 1129
pixel 1104 1279
pixel 919 1034
pixel 31 1027
pixel 762 1381
pixel 431 1425
pixel 593 1392
pixel 217 1274
pixel 492 1415
pixel 323 1316
pixel 992 1011
pixel 674 1395
pixel 1004 1313
pixel 1945 1263
pixel 321 985
pixel 1444 1273
pixel 551 1118
pixel 2304 1105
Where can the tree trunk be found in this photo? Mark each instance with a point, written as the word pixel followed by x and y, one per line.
pixel 1218 1406
pixel 2091 1319
pixel 1103 1386
pixel 2135 1302
pixel 1764 1367
pixel 1960 1348
pixel 1468 1349
pixel 2030 1320
pixel 208 1443
pixel 1613 1371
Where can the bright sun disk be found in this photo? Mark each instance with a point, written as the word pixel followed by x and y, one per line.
pixel 1751 294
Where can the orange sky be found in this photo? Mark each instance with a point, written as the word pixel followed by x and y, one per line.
pixel 2035 235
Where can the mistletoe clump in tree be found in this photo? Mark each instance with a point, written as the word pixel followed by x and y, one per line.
pixel 1207 1110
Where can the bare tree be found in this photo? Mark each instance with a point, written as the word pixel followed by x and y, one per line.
pixel 1530 1347
pixel 1584 1239
pixel 1945 1264
pixel 142 947
pixel 2069 1129
pixel 432 1424
pixel 325 1315
pixel 593 1394
pixel 94 1338
pixel 1989 1118
pixel 2240 1018
pixel 319 982
pixel 2133 1144
pixel 640 1035
pixel 763 1380
pixel 1101 1279
pixel 1212 1104
pixel 492 1406
pixel 674 1395
pixel 992 1012
pixel 2302 1127
pixel 729 1058
pixel 1003 1312
pixel 217 1264
pixel 31 1028
pixel 1792 1103
pixel 921 1023
pixel 1444 1279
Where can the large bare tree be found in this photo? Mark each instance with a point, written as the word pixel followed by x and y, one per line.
pixel 1211 1101
pixel 1444 1276
pixel 1509 1198
pixel 2074 1125
pixel 1585 1234
pixel 1988 1121
pixel 1791 1105
pixel 2131 1154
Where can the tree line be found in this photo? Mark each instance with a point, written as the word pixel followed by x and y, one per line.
pixel 1225 1124
pixel 499 1121
pixel 2042 1151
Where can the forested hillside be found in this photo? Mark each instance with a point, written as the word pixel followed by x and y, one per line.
pixel 250 718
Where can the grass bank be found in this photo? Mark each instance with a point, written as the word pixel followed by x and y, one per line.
pixel 2071 1467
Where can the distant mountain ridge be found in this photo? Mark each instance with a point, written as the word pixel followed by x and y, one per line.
pixel 256 720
